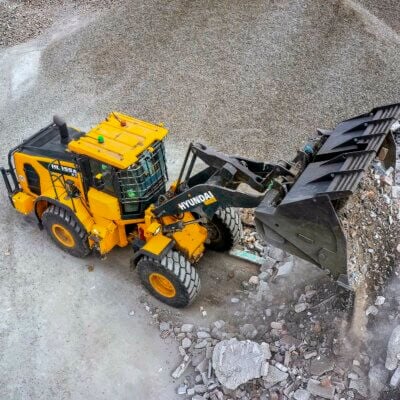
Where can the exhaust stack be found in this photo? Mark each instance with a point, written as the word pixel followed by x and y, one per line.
pixel 62 127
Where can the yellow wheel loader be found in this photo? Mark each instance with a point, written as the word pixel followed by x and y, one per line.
pixel 107 187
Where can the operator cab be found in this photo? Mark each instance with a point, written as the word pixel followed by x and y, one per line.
pixel 137 186
pixel 125 158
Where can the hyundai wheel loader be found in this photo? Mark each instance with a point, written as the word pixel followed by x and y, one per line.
pixel 92 191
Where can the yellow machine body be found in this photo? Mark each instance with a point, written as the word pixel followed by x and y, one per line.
pixel 118 142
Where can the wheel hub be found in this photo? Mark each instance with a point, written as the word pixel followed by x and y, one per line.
pixel 213 232
pixel 162 285
pixel 63 235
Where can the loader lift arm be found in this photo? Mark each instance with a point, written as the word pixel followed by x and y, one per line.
pixel 216 185
pixel 296 209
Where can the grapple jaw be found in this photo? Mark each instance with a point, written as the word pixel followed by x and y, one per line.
pixel 304 221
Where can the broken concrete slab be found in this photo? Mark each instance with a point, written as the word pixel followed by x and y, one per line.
pixel 236 362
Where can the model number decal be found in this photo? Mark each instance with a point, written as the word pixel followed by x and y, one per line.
pixel 205 198
pixel 60 169
pixel 63 169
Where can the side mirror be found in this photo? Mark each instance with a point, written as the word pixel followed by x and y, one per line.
pixel 98 182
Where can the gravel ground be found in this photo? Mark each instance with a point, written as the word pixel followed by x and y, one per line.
pixel 264 74
pixel 251 78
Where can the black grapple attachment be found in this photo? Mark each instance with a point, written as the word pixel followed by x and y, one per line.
pixel 302 219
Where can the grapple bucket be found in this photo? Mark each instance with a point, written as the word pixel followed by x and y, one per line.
pixel 304 221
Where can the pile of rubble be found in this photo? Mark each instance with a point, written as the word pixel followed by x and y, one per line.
pixel 297 342
pixel 241 366
pixel 293 350
pixel 371 227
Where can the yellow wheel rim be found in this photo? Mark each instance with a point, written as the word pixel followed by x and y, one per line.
pixel 162 285
pixel 63 235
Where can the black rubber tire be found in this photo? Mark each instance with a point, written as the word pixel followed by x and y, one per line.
pixel 178 270
pixel 225 229
pixel 57 215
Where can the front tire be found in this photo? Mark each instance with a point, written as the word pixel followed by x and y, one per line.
pixel 65 230
pixel 224 229
pixel 173 280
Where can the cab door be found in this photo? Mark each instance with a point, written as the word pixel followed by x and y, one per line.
pixel 101 194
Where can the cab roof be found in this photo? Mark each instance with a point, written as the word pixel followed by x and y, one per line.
pixel 119 140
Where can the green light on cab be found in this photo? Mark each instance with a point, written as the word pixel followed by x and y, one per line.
pixel 131 193
pixel 100 139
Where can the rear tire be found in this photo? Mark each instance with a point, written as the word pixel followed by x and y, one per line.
pixel 65 230
pixel 224 229
pixel 173 280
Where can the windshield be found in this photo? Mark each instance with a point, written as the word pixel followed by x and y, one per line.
pixel 141 181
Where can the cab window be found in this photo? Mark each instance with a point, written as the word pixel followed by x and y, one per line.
pixel 107 174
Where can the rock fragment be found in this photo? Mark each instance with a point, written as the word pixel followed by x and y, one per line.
pixel 298 308
pixel 285 269
pixel 371 310
pixel 276 254
pixel 266 350
pixel 248 331
pixel 395 379
pixel 216 395
pixel 186 343
pixel 181 390
pixel 378 377
pixel 393 349
pixel 317 389
pixel 187 328
pixel 254 280
pixel 274 376
pixel 203 335
pixel 276 325
pixel 359 385
pixel 181 368
pixel 310 354
pixel 219 324
pixel 165 326
pixel 201 345
pixel 379 300
pixel 301 394
pixel 321 365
